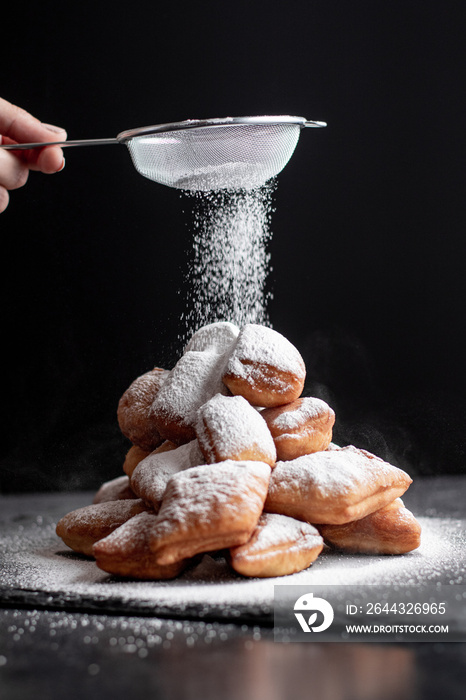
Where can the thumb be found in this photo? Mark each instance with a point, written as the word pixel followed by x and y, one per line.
pixel 21 127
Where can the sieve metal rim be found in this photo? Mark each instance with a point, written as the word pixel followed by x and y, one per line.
pixel 129 134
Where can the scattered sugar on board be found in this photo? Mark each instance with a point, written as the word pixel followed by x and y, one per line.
pixel 230 264
pixel 36 560
pixel 130 635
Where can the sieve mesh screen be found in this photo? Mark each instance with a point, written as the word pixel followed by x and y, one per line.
pixel 232 156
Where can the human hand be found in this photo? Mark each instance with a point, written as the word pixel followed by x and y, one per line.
pixel 18 126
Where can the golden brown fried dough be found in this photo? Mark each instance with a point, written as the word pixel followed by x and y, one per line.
pixel 81 528
pixel 335 486
pixel 228 427
pixel 151 476
pixel 208 508
pixel 278 546
pixel 132 459
pixel 134 416
pixel 196 377
pixel 301 427
pixel 117 489
pixel 391 530
pixel 126 552
pixel 265 367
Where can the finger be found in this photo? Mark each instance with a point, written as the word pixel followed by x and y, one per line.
pixel 22 127
pixel 4 199
pixel 13 171
pixel 48 160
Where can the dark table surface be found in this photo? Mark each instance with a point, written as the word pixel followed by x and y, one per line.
pixel 50 651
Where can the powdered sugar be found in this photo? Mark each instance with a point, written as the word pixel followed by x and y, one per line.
pixel 114 490
pixel 229 267
pixel 132 537
pixel 307 409
pixel 228 425
pixel 232 176
pixel 110 513
pixel 37 569
pixel 196 377
pixel 202 495
pixel 151 476
pixel 217 337
pixel 335 474
pixel 276 531
pixel 264 346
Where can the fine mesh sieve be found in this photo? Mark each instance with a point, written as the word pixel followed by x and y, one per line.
pixel 212 154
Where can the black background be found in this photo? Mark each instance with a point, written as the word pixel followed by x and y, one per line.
pixel 368 233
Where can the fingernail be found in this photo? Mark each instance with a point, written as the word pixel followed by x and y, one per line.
pixel 54 129
pixel 62 166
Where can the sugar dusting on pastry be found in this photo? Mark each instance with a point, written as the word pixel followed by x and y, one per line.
pixel 200 490
pixel 150 478
pixel 217 337
pixel 233 430
pixel 338 472
pixel 228 427
pixel 308 409
pixel 196 377
pixel 274 530
pixel 262 345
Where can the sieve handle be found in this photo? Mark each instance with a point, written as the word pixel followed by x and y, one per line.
pixel 63 144
pixel 315 124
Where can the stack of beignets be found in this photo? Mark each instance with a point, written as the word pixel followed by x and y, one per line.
pixel 227 456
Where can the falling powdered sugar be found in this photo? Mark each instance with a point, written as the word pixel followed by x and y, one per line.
pixel 229 267
pixel 217 337
pixel 234 176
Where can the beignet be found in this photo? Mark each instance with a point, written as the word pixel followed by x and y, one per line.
pixel 83 527
pixel 278 546
pixel 228 427
pixel 392 529
pixel 151 476
pixel 265 367
pixel 208 508
pixel 126 552
pixel 301 427
pixel 335 486
pixel 134 417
